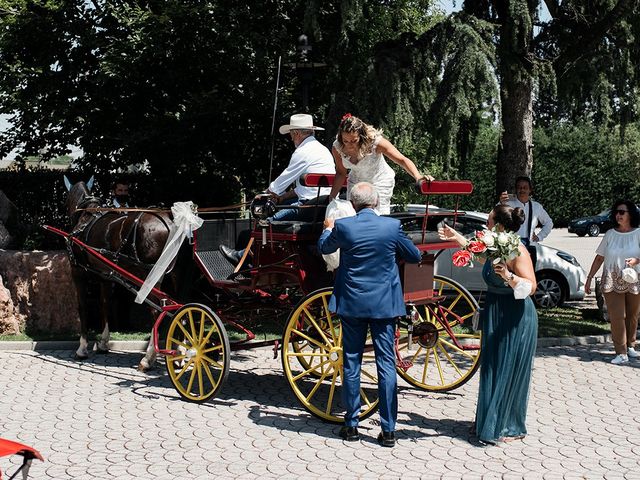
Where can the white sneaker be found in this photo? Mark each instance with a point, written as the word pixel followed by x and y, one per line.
pixel 620 359
pixel 631 352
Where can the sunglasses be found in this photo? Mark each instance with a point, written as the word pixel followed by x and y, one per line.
pixel 620 212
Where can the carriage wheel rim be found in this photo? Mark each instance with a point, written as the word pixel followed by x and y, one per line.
pixel 444 366
pixel 318 388
pixel 200 366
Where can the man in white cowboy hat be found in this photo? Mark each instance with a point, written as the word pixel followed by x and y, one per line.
pixel 310 156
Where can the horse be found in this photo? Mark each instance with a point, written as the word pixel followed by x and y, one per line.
pixel 133 239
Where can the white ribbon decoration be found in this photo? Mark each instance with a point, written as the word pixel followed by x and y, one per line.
pixel 184 223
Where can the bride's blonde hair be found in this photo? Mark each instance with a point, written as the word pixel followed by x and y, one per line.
pixel 366 133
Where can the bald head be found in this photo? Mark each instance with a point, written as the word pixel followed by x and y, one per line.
pixel 364 195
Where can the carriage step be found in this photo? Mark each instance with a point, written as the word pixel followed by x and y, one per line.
pixel 216 265
pixel 404 364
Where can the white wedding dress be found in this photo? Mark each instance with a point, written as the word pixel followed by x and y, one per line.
pixel 372 168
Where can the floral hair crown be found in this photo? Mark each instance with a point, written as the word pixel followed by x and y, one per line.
pixel 345 117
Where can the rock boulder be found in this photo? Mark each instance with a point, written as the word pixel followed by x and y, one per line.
pixel 10 323
pixel 41 294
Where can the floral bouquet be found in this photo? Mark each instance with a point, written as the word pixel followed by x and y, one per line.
pixel 497 246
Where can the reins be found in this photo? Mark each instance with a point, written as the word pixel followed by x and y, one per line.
pixel 159 210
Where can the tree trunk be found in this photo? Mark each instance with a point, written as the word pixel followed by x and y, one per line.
pixel 515 156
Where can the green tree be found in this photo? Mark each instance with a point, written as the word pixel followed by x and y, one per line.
pixel 579 60
pixel 182 86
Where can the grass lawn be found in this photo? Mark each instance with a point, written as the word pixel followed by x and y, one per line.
pixel 570 322
pixel 553 322
pixel 74 336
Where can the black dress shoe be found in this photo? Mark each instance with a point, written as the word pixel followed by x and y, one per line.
pixel 232 256
pixel 387 439
pixel 350 434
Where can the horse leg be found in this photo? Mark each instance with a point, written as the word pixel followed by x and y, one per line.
pixel 106 289
pixel 150 355
pixel 82 353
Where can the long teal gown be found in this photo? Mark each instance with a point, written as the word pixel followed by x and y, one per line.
pixel 509 335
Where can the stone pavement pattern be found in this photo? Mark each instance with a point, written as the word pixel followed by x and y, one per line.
pixel 102 419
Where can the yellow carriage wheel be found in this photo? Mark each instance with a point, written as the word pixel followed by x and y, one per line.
pixel 444 352
pixel 200 365
pixel 308 362
pixel 312 360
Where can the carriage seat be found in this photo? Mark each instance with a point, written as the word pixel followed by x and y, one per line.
pixel 296 226
pixel 411 224
pixel 314 209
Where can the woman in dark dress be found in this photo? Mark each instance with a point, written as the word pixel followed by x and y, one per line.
pixel 509 333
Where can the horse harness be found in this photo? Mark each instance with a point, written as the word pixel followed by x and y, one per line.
pixel 127 248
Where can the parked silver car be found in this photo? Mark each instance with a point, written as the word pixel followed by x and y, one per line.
pixel 560 276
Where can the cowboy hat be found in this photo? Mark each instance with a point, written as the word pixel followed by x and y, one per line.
pixel 299 121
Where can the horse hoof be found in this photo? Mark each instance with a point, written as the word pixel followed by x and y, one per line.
pixel 143 368
pixel 101 348
pixel 76 356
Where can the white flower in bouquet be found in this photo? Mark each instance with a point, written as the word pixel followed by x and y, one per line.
pixel 503 239
pixel 497 246
pixel 488 237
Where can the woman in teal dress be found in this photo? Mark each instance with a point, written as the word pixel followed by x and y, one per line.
pixel 509 333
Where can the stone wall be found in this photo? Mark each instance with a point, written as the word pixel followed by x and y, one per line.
pixel 37 293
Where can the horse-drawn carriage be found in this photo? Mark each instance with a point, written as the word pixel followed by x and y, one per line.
pixel 285 281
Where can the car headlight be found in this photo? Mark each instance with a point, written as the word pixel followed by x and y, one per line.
pixel 567 257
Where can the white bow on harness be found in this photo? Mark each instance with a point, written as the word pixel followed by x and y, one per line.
pixel 184 223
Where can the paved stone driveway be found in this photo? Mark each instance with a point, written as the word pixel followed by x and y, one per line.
pixel 102 419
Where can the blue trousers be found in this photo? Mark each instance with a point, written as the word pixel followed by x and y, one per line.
pixel 354 335
pixel 288 213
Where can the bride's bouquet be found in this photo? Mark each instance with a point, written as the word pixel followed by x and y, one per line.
pixel 497 246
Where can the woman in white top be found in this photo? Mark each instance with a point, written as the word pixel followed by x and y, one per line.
pixel 360 148
pixel 620 248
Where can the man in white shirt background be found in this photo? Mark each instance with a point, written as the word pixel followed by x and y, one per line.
pixel 535 216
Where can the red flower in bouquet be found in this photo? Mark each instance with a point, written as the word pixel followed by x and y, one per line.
pixel 461 258
pixel 476 247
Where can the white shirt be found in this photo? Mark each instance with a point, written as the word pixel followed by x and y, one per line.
pixel 540 216
pixel 309 157
pixel 615 247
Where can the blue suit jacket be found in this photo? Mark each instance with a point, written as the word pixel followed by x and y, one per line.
pixel 367 283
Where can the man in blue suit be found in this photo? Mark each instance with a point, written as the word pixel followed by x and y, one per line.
pixel 368 294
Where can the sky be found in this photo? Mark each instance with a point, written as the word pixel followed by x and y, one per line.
pixel 4 124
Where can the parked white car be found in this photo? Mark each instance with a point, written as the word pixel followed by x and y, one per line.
pixel 560 276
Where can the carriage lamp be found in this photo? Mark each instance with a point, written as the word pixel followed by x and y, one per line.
pixel 263 207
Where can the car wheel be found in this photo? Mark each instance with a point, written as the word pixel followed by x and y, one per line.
pixel 594 230
pixel 550 292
